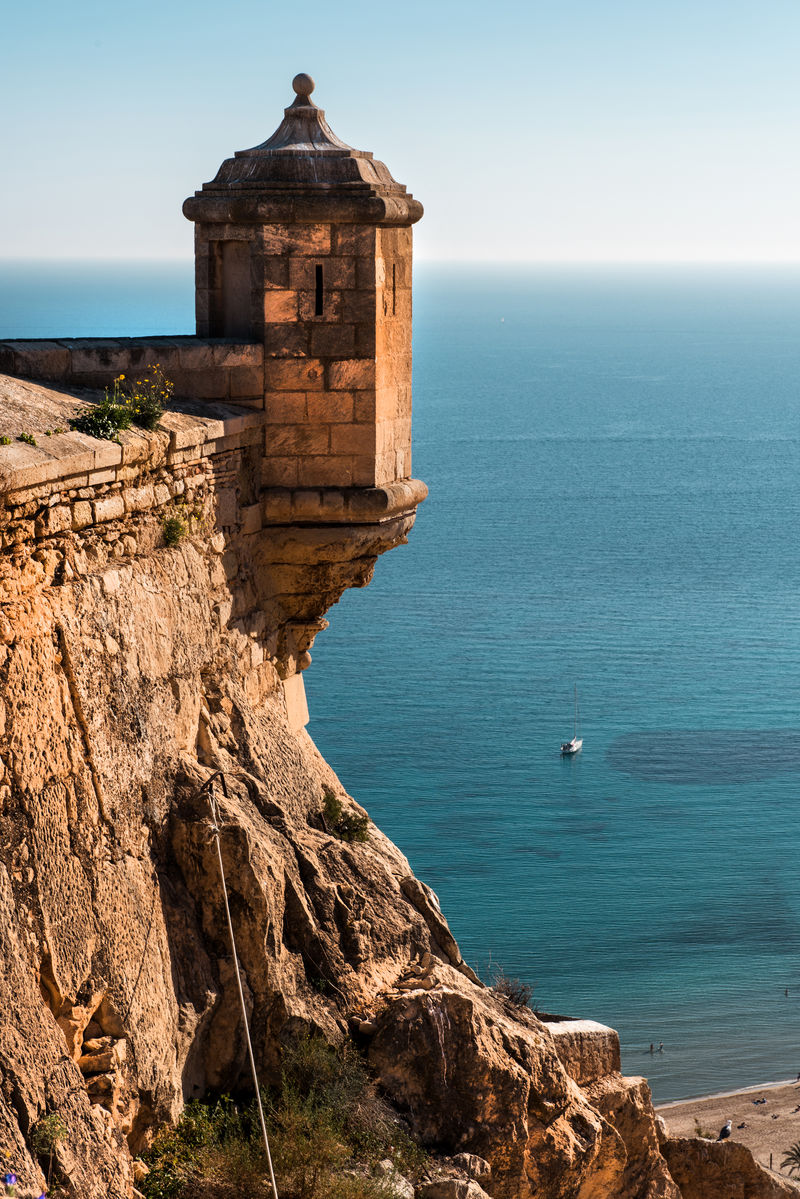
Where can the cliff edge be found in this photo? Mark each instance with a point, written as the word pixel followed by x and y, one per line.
pixel 134 666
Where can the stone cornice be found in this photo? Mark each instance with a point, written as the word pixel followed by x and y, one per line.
pixel 342 505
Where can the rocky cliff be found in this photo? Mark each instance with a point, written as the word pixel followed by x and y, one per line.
pixel 131 672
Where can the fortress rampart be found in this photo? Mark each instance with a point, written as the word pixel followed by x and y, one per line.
pixel 290 433
pixel 200 369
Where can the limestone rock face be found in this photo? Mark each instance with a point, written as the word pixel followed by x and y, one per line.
pixel 722 1170
pixel 123 690
pixel 626 1104
pixel 475 1079
pixel 451 1188
pixel 136 681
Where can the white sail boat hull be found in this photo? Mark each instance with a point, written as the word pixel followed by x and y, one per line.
pixel 576 744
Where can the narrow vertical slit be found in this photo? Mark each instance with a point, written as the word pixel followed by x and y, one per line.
pixel 394 289
pixel 318 300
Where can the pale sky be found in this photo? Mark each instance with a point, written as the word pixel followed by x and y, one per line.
pixel 546 130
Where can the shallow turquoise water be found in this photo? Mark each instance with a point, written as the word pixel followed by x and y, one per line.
pixel 613 463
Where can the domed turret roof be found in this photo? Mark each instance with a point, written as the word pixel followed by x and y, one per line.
pixel 304 157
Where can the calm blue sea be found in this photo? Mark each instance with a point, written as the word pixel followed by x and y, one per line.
pixel 613 457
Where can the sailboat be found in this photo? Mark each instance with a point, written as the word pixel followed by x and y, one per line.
pixel 575 745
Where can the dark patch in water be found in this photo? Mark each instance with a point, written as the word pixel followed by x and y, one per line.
pixel 712 756
pixel 753 930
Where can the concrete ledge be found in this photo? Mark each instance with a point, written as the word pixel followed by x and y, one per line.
pixel 587 1050
pixel 341 505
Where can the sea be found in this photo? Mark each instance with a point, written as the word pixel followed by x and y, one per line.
pixel 613 457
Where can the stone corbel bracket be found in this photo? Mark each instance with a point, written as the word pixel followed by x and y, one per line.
pixel 317 542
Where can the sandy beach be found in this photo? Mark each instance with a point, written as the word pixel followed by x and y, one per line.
pixel 766 1128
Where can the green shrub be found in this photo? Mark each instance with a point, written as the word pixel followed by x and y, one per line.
pixel 327 1131
pixel 108 418
pixel 174 528
pixel 347 826
pixel 46 1135
pixel 28 438
pixel 5 441
pixel 140 402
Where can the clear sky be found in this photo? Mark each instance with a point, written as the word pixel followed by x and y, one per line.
pixel 578 130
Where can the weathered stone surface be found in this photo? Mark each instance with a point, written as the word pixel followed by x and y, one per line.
pixel 476 1167
pixel 475 1080
pixel 123 687
pixel 587 1049
pixel 218 368
pixel 626 1104
pixel 451 1188
pixel 722 1170
pixel 397 1186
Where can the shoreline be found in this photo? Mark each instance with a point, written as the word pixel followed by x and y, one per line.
pixel 763 1086
pixel 765 1119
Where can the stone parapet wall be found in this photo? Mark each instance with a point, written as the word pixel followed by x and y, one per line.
pixel 200 369
pixel 74 514
pixel 66 461
pixel 327 424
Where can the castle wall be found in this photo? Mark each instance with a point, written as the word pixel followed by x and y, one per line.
pixel 70 504
pixel 200 369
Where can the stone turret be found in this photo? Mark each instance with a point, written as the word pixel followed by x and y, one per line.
pixel 304 244
pixel 292 412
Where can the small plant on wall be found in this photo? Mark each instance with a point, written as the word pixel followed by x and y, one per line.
pixel 46 1136
pixel 147 397
pixel 180 520
pixel 108 418
pixel 175 528
pixel 138 402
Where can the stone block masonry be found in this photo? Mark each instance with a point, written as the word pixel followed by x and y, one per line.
pixel 304 245
pixel 217 369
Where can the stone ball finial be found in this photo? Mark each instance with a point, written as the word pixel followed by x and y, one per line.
pixel 303 85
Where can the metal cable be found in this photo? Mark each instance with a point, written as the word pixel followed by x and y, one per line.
pixel 215 830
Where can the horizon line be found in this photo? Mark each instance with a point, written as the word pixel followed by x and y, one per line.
pixel 429 261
